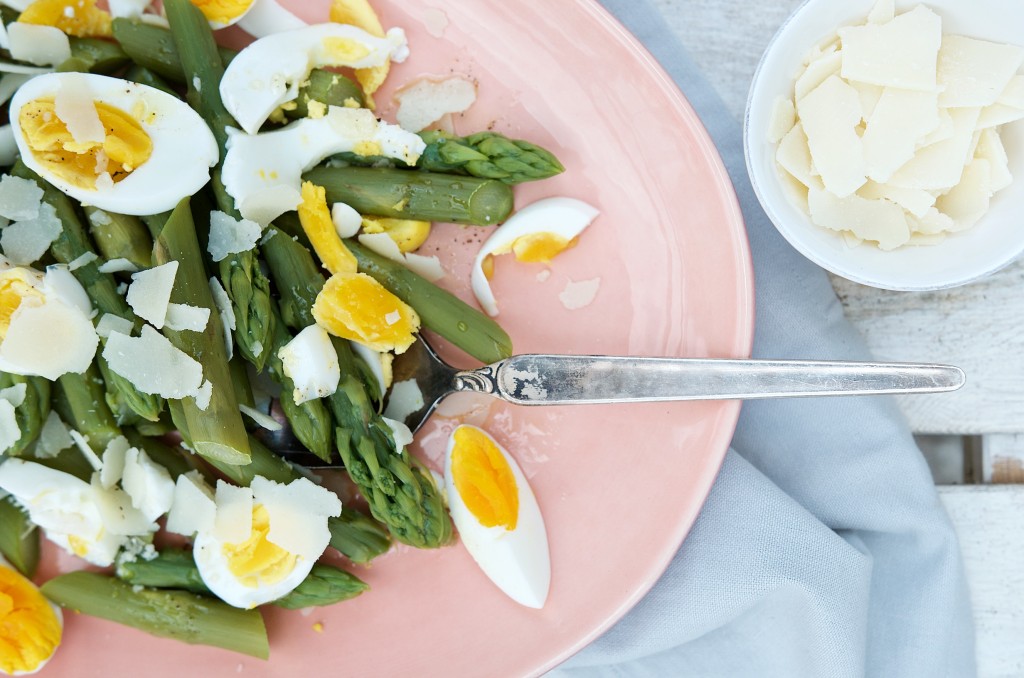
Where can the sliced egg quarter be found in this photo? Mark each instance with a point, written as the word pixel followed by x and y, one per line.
pixel 497 515
pixel 31 626
pixel 535 233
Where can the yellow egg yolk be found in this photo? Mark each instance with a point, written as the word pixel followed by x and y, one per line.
pixel 16 285
pixel 359 13
pixel 408 234
pixel 75 17
pixel 484 480
pixel 255 561
pixel 357 307
pixel 29 628
pixel 222 11
pixel 125 147
pixel 316 222
pixel 540 247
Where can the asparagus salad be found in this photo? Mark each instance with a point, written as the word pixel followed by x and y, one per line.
pixel 188 231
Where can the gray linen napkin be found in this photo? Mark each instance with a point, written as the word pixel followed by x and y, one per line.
pixel 823 549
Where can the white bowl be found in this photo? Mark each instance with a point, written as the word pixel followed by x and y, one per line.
pixel 994 242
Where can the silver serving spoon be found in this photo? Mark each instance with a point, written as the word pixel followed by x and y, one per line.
pixel 567 379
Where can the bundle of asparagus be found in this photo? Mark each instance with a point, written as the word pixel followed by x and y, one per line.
pixel 271 289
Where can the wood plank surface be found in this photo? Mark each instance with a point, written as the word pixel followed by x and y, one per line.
pixel 979 327
pixel 987 520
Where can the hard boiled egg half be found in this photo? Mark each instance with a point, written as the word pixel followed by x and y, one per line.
pixel 30 625
pixel 253 544
pixel 110 143
pixel 536 233
pixel 497 516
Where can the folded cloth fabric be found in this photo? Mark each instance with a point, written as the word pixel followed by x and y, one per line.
pixel 823 549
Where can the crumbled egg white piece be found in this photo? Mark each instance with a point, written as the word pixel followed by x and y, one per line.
pixel 85 519
pixel 311 362
pixel 267 17
pixel 32 628
pixel 269 71
pixel 891 138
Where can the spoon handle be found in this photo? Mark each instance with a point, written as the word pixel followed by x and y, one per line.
pixel 561 379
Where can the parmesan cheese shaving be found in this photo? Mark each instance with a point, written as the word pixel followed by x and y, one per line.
pixel 939 166
pixel 110 323
pixel 263 420
pixel 900 119
pixel 24 242
pixel 148 484
pixel 794 154
pixel 74 106
pixel 84 259
pixel 118 266
pixel 54 437
pixel 184 317
pixel 968 201
pixel 901 53
pixel 226 313
pixel 782 120
pixel 426 100
pixel 973 73
pixel 298 514
pixel 19 198
pixel 830 115
pixel 232 523
pixel 39 45
pixel 876 220
pixel 231 236
pixel 10 432
pixel 114 456
pixel 193 508
pixel 150 292
pixel 153 365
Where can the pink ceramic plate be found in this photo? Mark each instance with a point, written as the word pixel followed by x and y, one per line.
pixel 668 270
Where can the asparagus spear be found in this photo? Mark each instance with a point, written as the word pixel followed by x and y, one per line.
pixel 19 538
pixel 217 432
pixel 487 155
pixel 331 89
pixel 144 76
pixel 32 412
pixel 79 401
pixel 93 55
pixel 425 196
pixel 401 494
pixel 240 273
pixel 72 243
pixel 439 310
pixel 180 615
pixel 153 48
pixel 176 569
pixel 120 236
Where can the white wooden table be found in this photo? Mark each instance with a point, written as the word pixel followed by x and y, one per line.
pixel 973 439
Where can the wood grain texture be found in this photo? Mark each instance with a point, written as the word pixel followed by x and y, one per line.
pixel 979 327
pixel 987 520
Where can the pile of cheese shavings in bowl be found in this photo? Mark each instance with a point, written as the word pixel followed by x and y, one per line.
pixel 893 133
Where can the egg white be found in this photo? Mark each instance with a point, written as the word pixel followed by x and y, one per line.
pixel 183 151
pixel 213 567
pixel 517 561
pixel 60 621
pixel 565 217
